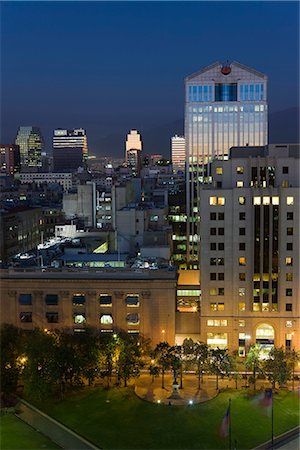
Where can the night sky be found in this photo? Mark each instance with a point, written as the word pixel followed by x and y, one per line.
pixel 112 66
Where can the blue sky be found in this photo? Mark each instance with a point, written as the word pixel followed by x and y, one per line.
pixel 111 66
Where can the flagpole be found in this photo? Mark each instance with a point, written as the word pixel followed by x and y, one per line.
pixel 229 406
pixel 272 421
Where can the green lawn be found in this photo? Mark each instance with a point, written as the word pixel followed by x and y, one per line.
pixel 117 419
pixel 15 434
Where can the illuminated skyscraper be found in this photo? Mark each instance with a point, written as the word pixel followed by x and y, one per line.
pixel 30 141
pixel 178 153
pixel 133 149
pixel 70 149
pixel 225 106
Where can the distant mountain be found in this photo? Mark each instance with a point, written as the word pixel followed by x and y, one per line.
pixel 283 128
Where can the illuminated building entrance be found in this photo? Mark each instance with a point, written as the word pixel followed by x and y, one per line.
pixel 265 338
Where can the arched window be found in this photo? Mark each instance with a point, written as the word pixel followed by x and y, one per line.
pixel 106 319
pixel 265 337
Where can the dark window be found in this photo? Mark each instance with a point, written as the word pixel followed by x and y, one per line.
pixel 290 231
pixel 288 307
pixel 220 261
pixel 221 276
pixel 51 299
pixel 221 231
pixel 25 299
pixel 26 317
pixel 213 261
pixel 289 216
pixel 52 317
pixel 289 276
pixel 133 319
pixel 242 231
pixel 289 246
pixel 221 246
pixel 105 300
pixel 242 246
pixel 289 292
pixel 213 216
pixel 78 300
pixel 132 300
pixel 213 231
pixel 242 216
pixel 242 276
pixel 213 246
pixel 285 169
pixel 221 291
pixel 213 276
pixel 221 216
pixel 226 92
pixel 219 184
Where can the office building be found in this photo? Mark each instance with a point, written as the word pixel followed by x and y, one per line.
pixel 133 151
pixel 225 106
pixel 9 158
pixel 178 153
pixel 70 149
pixel 249 249
pixel 30 142
pixel 63 179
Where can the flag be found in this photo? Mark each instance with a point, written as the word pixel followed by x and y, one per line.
pixel 224 429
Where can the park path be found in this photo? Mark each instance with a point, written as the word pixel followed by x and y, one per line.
pixel 58 433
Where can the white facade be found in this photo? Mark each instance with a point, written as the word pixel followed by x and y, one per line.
pixel 133 150
pixel 64 179
pixel 178 153
pixel 249 249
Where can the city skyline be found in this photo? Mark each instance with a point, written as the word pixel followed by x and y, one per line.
pixel 101 79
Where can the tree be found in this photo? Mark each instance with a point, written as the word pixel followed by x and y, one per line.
pixel 107 348
pixel 154 371
pixel 235 368
pixel 220 363
pixel 293 357
pixel 253 362
pixel 277 368
pixel 161 354
pixel 129 361
pixel 11 346
pixel 86 346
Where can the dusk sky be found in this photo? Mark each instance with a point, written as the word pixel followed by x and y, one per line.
pixel 112 66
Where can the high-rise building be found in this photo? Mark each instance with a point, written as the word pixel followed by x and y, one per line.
pixel 249 249
pixel 133 150
pixel 9 158
pixel 70 149
pixel 178 153
pixel 225 106
pixel 30 142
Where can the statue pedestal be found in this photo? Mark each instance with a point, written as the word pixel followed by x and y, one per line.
pixel 175 392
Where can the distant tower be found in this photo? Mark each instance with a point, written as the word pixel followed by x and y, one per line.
pixel 30 142
pixel 178 153
pixel 134 150
pixel 70 149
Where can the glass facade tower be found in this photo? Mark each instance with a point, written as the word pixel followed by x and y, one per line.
pixel 225 106
pixel 30 142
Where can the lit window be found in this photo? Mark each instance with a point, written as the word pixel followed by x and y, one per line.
pixel 242 292
pixel 217 323
pixel 213 291
pixel 266 200
pixel 256 200
pixel 288 261
pixel 290 200
pixel 79 318
pixel 217 340
pixel 242 306
pixel 212 200
pixel 214 307
pixel 239 184
pixel 221 200
pixel 289 276
pixel 240 169
pixel 285 184
pixel 290 231
pixel 221 306
pixel 275 200
pixel 106 319
pixel 242 323
pixel 242 261
pixel 289 323
pixel 256 307
pixel 219 170
pixel 242 200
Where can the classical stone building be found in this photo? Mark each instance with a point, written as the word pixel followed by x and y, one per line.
pixel 137 301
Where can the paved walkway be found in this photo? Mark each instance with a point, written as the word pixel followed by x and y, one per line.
pixel 54 430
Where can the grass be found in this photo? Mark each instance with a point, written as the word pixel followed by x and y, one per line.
pixel 117 419
pixel 16 435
